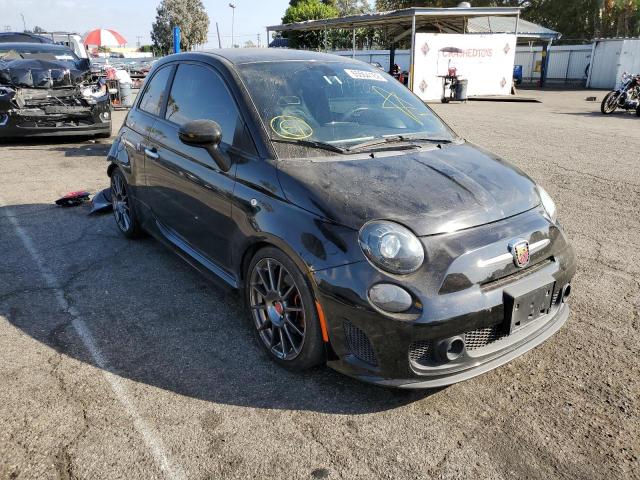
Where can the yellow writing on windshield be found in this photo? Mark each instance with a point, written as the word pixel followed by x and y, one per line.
pixel 288 126
pixel 392 101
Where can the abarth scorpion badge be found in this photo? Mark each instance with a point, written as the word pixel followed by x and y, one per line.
pixel 520 251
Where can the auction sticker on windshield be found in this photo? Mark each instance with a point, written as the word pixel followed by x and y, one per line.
pixel 364 75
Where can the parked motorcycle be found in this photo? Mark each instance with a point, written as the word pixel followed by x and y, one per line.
pixel 626 97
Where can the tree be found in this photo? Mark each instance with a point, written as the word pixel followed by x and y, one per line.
pixel 620 18
pixel 189 15
pixel 383 5
pixel 38 29
pixel 301 10
pixel 350 7
pixel 335 39
pixel 575 19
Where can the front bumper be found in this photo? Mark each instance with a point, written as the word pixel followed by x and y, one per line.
pixel 390 350
pixel 13 125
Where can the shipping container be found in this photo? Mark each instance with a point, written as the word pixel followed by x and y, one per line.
pixel 567 63
pixel 613 57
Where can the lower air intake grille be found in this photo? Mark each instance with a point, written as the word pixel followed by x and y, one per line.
pixel 359 344
pixel 482 337
pixel 420 352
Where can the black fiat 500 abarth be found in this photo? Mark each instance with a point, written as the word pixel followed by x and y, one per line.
pixel 362 232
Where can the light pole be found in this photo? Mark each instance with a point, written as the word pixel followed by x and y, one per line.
pixel 233 17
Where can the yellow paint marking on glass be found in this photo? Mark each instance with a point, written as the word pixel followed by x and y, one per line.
pixel 392 101
pixel 293 128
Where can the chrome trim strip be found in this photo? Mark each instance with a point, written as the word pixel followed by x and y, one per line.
pixel 504 258
pixel 507 257
pixel 534 247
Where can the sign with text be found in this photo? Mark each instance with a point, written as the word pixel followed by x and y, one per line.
pixel 486 61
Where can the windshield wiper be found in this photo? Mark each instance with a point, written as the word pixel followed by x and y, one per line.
pixel 312 144
pixel 395 139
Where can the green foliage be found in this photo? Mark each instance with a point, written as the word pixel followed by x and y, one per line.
pixel 383 5
pixel 352 7
pixel 302 10
pixel 189 15
pixel 575 19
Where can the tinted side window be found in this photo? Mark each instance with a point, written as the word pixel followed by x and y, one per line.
pixel 198 93
pixel 153 97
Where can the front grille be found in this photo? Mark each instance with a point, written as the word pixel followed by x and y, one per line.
pixel 359 344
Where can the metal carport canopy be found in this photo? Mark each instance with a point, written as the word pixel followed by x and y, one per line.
pixel 444 20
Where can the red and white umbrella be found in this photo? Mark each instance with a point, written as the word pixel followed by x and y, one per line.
pixel 104 38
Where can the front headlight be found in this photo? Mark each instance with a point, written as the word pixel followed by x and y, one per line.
pixel 548 203
pixel 391 247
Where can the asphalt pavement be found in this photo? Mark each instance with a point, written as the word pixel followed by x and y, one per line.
pixel 118 360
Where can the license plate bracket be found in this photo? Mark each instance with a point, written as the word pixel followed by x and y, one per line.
pixel 523 306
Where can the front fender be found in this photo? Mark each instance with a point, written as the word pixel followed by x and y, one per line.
pixel 118 157
pixel 314 244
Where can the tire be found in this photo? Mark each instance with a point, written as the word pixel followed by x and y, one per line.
pixel 638 111
pixel 286 324
pixel 123 209
pixel 609 103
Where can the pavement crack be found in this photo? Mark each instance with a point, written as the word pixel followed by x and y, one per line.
pixel 86 232
pixel 22 291
pixel 92 266
pixel 41 211
pixel 64 462
pixel 64 465
pixel 597 177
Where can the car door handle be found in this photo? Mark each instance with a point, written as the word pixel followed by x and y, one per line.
pixel 151 153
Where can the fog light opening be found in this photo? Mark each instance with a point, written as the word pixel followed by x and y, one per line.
pixel 451 349
pixel 566 291
pixel 390 298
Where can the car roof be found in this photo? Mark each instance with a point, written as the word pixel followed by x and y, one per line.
pixel 23 37
pixel 42 47
pixel 238 56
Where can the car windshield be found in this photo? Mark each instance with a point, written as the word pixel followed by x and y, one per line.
pixel 37 52
pixel 337 103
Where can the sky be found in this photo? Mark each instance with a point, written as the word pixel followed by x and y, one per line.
pixel 133 18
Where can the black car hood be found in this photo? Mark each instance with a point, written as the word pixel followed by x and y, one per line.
pixel 434 191
pixel 31 73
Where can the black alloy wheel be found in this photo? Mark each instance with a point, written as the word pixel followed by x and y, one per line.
pixel 283 310
pixel 123 210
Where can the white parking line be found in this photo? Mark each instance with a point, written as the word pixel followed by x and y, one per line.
pixel 171 470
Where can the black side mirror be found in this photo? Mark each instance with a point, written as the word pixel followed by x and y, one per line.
pixel 206 134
